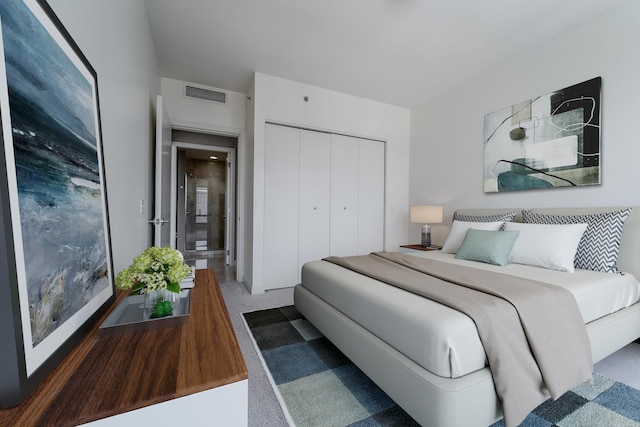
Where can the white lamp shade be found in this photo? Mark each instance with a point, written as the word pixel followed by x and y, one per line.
pixel 426 214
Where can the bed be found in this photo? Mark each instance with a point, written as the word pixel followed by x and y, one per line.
pixel 439 374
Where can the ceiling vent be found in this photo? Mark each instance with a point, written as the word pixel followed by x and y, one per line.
pixel 216 96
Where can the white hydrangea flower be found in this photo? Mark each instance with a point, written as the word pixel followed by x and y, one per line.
pixel 154 269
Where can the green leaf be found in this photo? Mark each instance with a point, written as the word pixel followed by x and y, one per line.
pixel 136 288
pixel 174 287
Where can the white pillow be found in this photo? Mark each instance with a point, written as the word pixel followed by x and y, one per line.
pixel 550 246
pixel 459 230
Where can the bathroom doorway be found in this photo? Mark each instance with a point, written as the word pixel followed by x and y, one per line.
pixel 205 201
pixel 206 205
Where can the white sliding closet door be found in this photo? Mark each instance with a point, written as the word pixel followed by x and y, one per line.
pixel 370 197
pixel 315 196
pixel 323 195
pixel 281 201
pixel 344 195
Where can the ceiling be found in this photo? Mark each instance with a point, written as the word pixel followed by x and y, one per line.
pixel 401 52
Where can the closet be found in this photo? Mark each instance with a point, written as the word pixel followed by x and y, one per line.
pixel 324 195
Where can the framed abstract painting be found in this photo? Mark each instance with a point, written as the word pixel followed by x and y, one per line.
pixel 56 273
pixel 548 141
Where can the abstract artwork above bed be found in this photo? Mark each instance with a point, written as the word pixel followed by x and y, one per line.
pixel 548 141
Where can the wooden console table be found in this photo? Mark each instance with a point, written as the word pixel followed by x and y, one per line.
pixel 184 375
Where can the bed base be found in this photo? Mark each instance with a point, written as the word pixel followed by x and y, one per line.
pixel 432 400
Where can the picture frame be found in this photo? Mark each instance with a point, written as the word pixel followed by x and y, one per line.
pixel 56 271
pixel 545 142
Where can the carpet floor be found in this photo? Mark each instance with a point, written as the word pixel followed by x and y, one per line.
pixel 319 386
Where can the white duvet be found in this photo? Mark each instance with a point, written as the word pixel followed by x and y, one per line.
pixel 442 340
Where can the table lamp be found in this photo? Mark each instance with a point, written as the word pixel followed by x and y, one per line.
pixel 426 215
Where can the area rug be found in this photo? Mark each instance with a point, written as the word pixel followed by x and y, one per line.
pixel 317 385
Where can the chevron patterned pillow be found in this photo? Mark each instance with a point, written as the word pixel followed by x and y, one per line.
pixel 506 217
pixel 600 243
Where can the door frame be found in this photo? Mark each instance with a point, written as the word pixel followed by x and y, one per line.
pixel 230 199
pixel 243 209
pixel 162 160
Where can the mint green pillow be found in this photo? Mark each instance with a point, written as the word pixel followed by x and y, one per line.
pixel 491 247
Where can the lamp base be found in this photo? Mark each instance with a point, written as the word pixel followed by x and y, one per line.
pixel 425 241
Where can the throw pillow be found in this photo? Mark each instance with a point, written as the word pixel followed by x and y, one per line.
pixel 599 247
pixel 504 217
pixel 549 246
pixel 491 247
pixel 459 230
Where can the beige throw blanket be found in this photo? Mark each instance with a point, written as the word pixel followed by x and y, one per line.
pixel 532 332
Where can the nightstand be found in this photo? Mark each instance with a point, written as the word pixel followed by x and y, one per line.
pixel 414 248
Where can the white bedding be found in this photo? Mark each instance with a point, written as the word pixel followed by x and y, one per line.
pixel 442 340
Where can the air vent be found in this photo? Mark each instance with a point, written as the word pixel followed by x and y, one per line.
pixel 205 94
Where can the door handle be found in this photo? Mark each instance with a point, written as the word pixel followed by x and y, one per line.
pixel 158 221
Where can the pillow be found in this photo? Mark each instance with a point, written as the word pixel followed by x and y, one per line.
pixel 551 246
pixel 491 247
pixel 599 247
pixel 504 217
pixel 459 229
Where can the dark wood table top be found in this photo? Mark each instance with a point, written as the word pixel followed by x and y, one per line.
pixel 421 248
pixel 104 376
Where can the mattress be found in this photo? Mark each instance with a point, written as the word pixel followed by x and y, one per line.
pixel 440 339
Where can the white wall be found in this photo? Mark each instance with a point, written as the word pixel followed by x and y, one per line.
pixel 447 133
pixel 281 101
pixel 196 114
pixel 114 35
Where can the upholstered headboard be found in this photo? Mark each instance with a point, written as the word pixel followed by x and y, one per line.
pixel 629 256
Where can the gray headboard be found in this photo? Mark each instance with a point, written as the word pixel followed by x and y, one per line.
pixel 629 257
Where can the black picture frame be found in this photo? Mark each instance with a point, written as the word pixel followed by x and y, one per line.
pixel 56 268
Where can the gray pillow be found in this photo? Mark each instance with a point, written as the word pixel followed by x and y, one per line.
pixel 504 217
pixel 491 247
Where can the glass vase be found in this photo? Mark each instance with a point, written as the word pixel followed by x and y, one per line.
pixel 160 303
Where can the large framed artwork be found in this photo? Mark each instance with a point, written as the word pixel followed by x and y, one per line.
pixel 549 141
pixel 56 274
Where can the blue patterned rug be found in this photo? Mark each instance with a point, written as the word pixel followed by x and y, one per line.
pixel 319 386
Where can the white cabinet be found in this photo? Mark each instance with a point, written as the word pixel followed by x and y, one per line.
pixel 281 195
pixel 228 405
pixel 324 195
pixel 315 196
pixel 344 195
pixel 371 167
pixel 357 195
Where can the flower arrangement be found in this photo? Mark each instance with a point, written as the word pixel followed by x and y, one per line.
pixel 154 269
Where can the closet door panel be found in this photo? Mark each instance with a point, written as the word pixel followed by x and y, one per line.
pixel 281 199
pixel 371 197
pixel 315 196
pixel 344 195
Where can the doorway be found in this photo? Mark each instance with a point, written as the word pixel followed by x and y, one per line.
pixel 205 188
pixel 205 195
